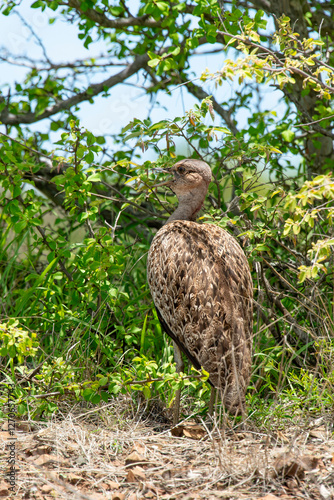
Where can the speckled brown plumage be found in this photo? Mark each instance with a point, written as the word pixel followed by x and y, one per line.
pixel 202 289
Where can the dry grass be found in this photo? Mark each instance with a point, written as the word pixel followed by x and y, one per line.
pixel 90 454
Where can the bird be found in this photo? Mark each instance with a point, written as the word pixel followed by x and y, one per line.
pixel 201 286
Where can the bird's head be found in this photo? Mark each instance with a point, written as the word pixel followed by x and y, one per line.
pixel 188 175
pixel 190 182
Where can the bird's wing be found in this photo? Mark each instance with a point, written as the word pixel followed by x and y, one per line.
pixel 201 285
pixel 181 345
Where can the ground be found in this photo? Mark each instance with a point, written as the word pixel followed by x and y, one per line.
pixel 93 455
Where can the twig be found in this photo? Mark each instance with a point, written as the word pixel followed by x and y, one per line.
pixel 125 200
pixel 38 153
pixel 160 379
pixel 314 122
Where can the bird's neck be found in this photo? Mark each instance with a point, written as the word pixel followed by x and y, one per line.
pixel 189 204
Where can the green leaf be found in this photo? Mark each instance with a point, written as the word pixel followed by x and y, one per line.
pixel 176 51
pixel 314 272
pixel 95 399
pixel 255 207
pixel 147 392
pixel 163 7
pixel 222 129
pixel 19 226
pixel 87 393
pixel 153 63
pixel 258 16
pixel 296 228
pixel 81 151
pixel 288 135
pixel 192 42
pixel 103 381
pixel 104 396
pixel 114 388
pixel 89 157
pixel 11 156
pixel 16 191
pixel 88 41
pixel 262 248
pixel 95 177
pixel 116 11
pixel 90 139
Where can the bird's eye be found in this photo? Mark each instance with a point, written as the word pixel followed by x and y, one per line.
pixel 181 170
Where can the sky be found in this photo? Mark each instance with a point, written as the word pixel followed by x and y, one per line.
pixel 106 115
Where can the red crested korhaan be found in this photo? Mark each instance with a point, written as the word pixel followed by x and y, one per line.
pixel 202 288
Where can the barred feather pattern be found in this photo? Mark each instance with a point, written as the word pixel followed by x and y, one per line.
pixel 201 285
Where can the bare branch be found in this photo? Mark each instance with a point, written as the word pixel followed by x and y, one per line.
pixel 102 20
pixel 34 34
pixel 41 65
pixel 315 121
pixel 93 90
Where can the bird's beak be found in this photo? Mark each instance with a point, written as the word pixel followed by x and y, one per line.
pixel 164 183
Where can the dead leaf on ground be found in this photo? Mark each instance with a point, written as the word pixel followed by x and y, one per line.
pixel 290 465
pixel 291 483
pixel 167 474
pixel 190 430
pixel 25 426
pixel 81 460
pixel 136 474
pixel 49 460
pixel 139 448
pixel 109 485
pixel 134 458
pixel 150 494
pixel 118 496
pixel 113 485
pixel 157 491
pixel 39 450
pixel 282 436
pixel 240 436
pixel 319 433
pixel 46 488
pixel 72 478
pixel 4 492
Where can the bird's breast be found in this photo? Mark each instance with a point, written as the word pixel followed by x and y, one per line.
pixel 196 267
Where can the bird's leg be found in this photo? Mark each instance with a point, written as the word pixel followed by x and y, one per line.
pixel 179 368
pixel 212 400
